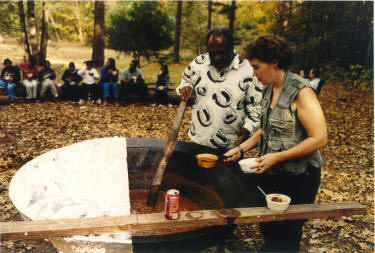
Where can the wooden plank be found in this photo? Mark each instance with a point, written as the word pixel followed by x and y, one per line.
pixel 146 222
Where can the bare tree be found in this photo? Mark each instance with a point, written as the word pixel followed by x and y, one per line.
pixel 44 35
pixel 21 13
pixel 177 33
pixel 98 42
pixel 33 28
pixel 79 22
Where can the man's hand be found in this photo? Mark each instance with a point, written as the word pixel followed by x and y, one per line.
pixel 186 93
pixel 242 135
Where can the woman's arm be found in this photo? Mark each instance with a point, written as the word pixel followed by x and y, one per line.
pixel 312 118
pixel 235 153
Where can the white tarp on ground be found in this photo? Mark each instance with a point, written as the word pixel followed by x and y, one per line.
pixel 86 179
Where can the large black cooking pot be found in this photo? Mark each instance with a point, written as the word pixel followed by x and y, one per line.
pixel 214 188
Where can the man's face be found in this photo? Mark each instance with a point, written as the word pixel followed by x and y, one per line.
pixel 132 66
pixel 218 51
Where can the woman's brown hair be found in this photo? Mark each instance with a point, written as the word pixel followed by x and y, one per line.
pixel 269 49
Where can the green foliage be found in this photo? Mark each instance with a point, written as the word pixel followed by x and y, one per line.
pixel 9 19
pixel 359 77
pixel 73 21
pixel 139 28
pixel 194 26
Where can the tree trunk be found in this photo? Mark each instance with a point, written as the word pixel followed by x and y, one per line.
pixel 21 13
pixel 177 33
pixel 33 28
pixel 209 15
pixel 232 15
pixel 44 35
pixel 54 29
pixel 98 43
pixel 76 13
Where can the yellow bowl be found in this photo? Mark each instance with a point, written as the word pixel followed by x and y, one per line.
pixel 207 160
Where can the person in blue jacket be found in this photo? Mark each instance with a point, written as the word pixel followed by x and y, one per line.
pixel 161 90
pixel 109 78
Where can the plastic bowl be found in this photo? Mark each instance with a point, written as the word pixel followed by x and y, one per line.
pixel 246 163
pixel 278 202
pixel 207 160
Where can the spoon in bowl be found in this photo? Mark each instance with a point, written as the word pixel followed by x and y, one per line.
pixel 262 191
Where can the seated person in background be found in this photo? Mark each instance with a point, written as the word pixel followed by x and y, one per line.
pixel 46 77
pixel 89 86
pixel 10 77
pixel 109 80
pixel 132 80
pixel 161 90
pixel 29 77
pixel 302 74
pixel 315 78
pixel 70 90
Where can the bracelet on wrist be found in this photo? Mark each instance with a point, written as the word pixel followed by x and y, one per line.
pixel 241 150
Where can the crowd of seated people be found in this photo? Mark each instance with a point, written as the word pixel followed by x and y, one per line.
pixel 40 83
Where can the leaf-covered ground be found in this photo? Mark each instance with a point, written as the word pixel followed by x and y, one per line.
pixel 29 130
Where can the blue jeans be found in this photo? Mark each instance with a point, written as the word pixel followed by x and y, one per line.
pixel 10 87
pixel 107 87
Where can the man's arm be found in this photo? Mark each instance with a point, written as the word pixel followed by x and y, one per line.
pixel 185 89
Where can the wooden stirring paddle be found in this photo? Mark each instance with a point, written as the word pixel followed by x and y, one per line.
pixel 168 150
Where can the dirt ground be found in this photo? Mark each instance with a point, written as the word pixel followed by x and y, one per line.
pixel 29 130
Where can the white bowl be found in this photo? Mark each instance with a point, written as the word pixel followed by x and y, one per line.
pixel 278 206
pixel 246 163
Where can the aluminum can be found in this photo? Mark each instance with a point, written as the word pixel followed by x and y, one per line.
pixel 172 204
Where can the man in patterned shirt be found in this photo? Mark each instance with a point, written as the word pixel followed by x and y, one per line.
pixel 227 105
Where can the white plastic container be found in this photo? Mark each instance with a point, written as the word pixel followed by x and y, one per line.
pixel 278 206
pixel 246 163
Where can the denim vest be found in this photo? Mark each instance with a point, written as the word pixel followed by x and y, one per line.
pixel 283 130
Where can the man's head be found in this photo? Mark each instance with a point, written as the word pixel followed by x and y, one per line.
pixel 220 46
pixel 89 64
pixel 7 62
pixel 133 65
pixel 314 73
pixel 32 60
pixel 47 64
pixel 72 67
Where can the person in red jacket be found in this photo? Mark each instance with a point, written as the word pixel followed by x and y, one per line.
pixel 29 77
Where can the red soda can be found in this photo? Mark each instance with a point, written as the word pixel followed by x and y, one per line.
pixel 172 204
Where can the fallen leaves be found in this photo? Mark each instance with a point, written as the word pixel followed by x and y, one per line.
pixel 29 130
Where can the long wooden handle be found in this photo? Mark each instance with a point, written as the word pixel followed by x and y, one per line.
pixel 169 146
pixel 168 150
pixel 19 230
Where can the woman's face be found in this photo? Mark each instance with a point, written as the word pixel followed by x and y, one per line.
pixel 302 73
pixel 265 72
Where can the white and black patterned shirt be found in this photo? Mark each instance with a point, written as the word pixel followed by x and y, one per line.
pixel 225 101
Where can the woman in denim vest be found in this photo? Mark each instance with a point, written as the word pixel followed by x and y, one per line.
pixel 292 130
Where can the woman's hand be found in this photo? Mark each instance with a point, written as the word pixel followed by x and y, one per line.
pixel 232 155
pixel 266 162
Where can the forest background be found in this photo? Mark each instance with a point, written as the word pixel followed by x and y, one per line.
pixel 335 36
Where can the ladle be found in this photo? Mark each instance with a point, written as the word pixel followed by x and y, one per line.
pixel 262 191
